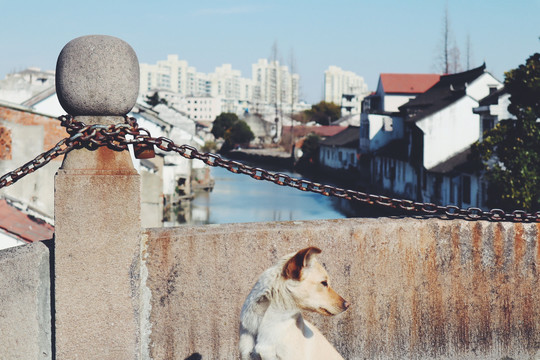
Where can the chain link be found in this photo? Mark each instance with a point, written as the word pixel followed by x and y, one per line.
pixel 115 138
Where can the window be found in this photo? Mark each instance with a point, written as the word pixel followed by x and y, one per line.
pixel 466 188
pixel 488 123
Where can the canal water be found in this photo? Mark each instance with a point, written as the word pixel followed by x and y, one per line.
pixel 238 198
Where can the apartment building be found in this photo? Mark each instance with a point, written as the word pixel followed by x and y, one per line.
pixel 344 88
pixel 174 75
pixel 274 84
pixel 271 85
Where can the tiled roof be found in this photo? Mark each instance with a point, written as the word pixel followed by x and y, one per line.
pixel 26 227
pixel 493 98
pixel 347 138
pixel 408 83
pixel 449 89
pixel 459 160
pixel 323 131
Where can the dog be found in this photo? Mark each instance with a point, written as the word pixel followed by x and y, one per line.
pixel 271 322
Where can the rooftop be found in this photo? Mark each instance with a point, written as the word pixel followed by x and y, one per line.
pixel 24 226
pixel 449 89
pixel 346 138
pixel 408 83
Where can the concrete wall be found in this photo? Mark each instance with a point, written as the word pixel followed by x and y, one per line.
pixel 25 303
pixel 420 289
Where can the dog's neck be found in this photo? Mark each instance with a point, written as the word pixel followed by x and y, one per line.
pixel 280 314
pixel 281 299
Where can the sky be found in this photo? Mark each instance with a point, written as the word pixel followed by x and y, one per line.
pixel 365 37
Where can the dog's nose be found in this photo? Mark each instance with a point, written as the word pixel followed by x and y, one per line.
pixel 346 304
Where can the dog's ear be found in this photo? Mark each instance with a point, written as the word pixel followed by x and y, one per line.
pixel 293 267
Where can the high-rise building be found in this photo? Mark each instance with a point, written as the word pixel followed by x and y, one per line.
pixel 174 75
pixel 344 88
pixel 273 84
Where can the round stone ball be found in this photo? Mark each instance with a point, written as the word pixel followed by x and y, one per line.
pixel 97 75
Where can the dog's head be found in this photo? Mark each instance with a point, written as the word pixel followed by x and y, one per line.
pixel 307 280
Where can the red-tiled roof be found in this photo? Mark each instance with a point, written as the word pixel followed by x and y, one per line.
pixel 408 83
pixel 24 226
pixel 324 131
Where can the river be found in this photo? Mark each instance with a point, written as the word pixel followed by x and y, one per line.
pixel 238 198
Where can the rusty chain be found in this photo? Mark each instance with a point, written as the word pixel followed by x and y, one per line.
pixel 116 138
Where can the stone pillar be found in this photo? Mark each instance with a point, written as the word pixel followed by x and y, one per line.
pixel 97 209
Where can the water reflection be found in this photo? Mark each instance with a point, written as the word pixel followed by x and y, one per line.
pixel 239 198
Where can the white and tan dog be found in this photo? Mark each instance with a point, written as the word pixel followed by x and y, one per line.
pixel 271 324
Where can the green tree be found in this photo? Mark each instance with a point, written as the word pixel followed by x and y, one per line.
pixel 239 133
pixel 310 147
pixel 323 113
pixel 510 153
pixel 222 123
pixel 235 131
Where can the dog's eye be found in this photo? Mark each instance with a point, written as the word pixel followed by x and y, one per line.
pixel 324 283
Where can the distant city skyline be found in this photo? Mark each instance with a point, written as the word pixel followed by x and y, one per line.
pixel 367 38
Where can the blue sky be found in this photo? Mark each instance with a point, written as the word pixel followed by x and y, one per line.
pixel 366 37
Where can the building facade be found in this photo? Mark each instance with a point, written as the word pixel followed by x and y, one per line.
pixel 344 88
pixel 271 86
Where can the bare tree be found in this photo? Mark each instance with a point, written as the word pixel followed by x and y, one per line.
pixel 468 52
pixel 449 58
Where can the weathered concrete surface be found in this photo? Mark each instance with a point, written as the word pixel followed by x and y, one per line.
pixel 97 210
pixel 420 289
pixel 97 75
pixel 25 303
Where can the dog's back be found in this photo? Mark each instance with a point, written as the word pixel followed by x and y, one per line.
pixel 254 308
pixel 271 320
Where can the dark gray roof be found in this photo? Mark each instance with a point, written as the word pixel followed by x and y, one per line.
pixel 493 98
pixel 449 89
pixel 456 162
pixel 349 137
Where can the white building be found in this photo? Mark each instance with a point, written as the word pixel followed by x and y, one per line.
pixel 201 108
pixel 21 86
pixel 492 109
pixel 380 121
pixel 174 75
pixel 430 162
pixel 344 88
pixel 444 114
pixel 340 151
pixel 234 91
pixel 273 84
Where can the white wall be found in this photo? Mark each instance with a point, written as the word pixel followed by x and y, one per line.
pixel 391 103
pixel 480 87
pixel 449 131
pixel 394 175
pixel 338 157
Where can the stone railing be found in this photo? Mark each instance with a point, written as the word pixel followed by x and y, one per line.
pixel 419 288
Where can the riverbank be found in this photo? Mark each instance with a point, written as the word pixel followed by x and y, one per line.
pixel 276 160
pixel 274 157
